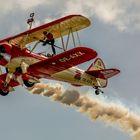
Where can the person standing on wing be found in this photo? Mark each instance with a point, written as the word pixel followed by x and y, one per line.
pixel 49 39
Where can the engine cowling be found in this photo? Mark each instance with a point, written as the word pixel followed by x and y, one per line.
pixel 5 53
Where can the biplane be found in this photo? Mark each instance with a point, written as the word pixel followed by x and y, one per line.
pixel 25 67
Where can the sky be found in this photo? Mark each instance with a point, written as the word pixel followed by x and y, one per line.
pixel 114 34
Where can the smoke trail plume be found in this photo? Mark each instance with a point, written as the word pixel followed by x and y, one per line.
pixel 110 113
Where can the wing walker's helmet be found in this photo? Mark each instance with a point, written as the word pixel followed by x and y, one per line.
pixel 45 34
pixel 50 36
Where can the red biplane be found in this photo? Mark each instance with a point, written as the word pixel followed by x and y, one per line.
pixel 25 67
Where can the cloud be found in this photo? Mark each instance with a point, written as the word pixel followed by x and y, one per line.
pixel 26 4
pixel 7 5
pixel 47 20
pixel 122 14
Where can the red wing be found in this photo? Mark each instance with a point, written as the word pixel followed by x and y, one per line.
pixel 62 62
pixel 55 64
pixel 58 28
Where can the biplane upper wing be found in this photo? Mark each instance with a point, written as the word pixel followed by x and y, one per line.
pixel 60 62
pixel 58 28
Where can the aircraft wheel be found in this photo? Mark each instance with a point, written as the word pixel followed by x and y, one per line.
pixel 2 49
pixel 28 83
pixel 4 93
pixel 97 92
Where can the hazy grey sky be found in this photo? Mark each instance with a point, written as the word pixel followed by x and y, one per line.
pixel 114 34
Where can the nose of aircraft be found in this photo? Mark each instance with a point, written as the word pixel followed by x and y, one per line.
pixel 5 56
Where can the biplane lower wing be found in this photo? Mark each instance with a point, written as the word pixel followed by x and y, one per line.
pixel 61 62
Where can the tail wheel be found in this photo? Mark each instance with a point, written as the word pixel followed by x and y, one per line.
pixel 97 92
pixel 28 83
pixel 4 93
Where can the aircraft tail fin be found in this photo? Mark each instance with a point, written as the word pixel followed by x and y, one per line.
pixel 96 65
pixel 97 69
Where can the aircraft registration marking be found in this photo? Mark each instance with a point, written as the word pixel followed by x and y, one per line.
pixel 71 56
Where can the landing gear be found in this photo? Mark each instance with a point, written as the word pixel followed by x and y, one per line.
pixel 28 83
pixel 4 93
pixel 2 49
pixel 98 91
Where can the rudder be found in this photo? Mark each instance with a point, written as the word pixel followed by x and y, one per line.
pixel 95 66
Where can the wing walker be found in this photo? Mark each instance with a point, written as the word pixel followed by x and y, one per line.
pixel 23 66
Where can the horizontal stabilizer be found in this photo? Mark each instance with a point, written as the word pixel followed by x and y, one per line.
pixel 104 73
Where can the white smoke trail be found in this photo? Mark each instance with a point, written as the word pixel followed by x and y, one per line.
pixel 110 113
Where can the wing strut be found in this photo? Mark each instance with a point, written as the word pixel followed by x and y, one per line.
pixel 68 40
pixel 70 31
pixel 73 38
pixel 63 45
pixel 78 38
